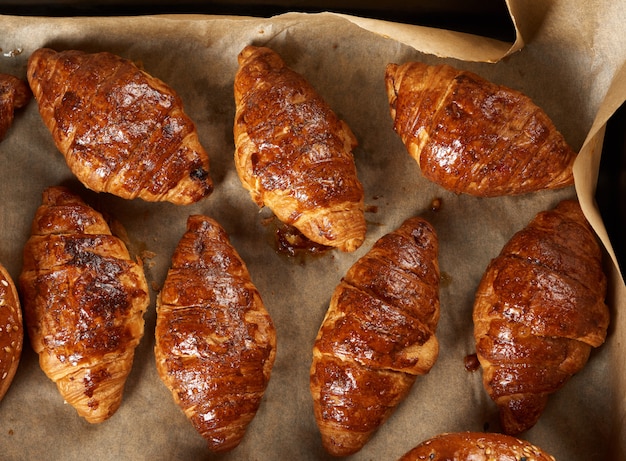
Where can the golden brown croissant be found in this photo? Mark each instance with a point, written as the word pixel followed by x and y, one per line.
pixel 377 336
pixel 215 342
pixel 475 137
pixel 121 130
pixel 476 446
pixel 84 300
pixel 11 331
pixel 14 94
pixel 293 154
pixel 539 309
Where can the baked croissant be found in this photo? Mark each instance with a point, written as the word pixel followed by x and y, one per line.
pixel 215 342
pixel 476 446
pixel 84 300
pixel 472 136
pixel 377 336
pixel 121 130
pixel 293 154
pixel 538 311
pixel 14 94
pixel 11 331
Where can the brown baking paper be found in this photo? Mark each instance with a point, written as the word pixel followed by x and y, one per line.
pixel 568 57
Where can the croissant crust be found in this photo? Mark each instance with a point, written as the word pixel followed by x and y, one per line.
pixel 215 342
pixel 84 300
pixel 14 94
pixel 11 331
pixel 120 130
pixel 377 336
pixel 466 446
pixel 475 137
pixel 293 154
pixel 539 309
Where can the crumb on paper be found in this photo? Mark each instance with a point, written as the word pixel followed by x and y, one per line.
pixel 147 254
pixel 12 53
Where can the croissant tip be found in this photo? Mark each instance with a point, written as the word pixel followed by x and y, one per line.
pixel 351 245
pixel 340 445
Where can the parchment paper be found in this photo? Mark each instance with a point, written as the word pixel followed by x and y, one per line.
pixel 568 57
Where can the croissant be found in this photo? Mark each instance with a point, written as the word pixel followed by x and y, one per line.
pixel 293 154
pixel 377 336
pixel 215 342
pixel 538 311
pixel 472 136
pixel 475 446
pixel 11 331
pixel 14 94
pixel 84 300
pixel 120 130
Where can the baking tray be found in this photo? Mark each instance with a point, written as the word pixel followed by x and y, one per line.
pixel 34 422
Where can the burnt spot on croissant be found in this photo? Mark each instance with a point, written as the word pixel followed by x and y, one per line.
pixel 84 300
pixel 199 173
pixel 92 381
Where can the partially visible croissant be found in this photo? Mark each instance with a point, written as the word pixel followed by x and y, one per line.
pixel 539 309
pixel 476 446
pixel 472 136
pixel 293 154
pixel 84 300
pixel 14 94
pixel 215 342
pixel 121 130
pixel 377 336
pixel 11 331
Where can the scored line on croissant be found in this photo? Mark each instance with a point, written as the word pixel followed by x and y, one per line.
pixel 539 309
pixel 293 154
pixel 377 336
pixel 84 301
pixel 121 130
pixel 473 136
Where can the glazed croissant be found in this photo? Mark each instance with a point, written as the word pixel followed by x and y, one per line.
pixel 14 94
pixel 84 300
pixel 215 342
pixel 377 336
pixel 121 130
pixel 472 136
pixel 475 446
pixel 539 309
pixel 293 154
pixel 11 331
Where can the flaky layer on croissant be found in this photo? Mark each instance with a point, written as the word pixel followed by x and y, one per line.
pixel 84 301
pixel 11 331
pixel 377 336
pixel 472 136
pixel 539 309
pixel 476 446
pixel 215 341
pixel 120 130
pixel 14 94
pixel 293 154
